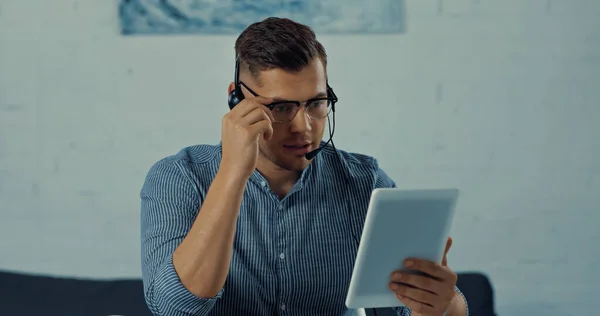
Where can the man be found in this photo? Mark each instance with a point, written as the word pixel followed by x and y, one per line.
pixel 251 226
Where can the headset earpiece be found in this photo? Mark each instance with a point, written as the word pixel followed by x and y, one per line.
pixel 236 96
pixel 331 94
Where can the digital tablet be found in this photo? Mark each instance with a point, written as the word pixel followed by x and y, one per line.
pixel 399 224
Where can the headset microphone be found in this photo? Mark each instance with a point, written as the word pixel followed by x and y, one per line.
pixel 311 154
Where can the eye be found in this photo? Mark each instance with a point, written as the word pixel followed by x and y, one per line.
pixel 284 107
pixel 318 103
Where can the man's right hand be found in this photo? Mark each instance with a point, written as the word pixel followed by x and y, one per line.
pixel 241 130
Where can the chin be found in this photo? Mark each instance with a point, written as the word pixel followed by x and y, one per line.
pixel 294 164
pixel 286 160
pixel 290 162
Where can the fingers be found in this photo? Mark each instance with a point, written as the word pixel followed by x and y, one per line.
pixel 428 288
pixel 256 122
pixel 422 282
pixel 261 100
pixel 415 294
pixel 416 306
pixel 253 116
pixel 264 127
pixel 260 121
pixel 249 104
pixel 448 245
pixel 256 116
pixel 431 268
pixel 419 299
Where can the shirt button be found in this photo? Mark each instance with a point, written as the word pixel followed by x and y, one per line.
pixel 282 256
pixel 280 207
pixel 282 307
pixel 264 184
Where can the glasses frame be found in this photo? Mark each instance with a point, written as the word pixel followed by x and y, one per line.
pixel 331 100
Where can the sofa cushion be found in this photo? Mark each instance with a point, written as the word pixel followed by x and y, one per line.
pixel 24 295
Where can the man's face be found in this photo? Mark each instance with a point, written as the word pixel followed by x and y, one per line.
pixel 282 149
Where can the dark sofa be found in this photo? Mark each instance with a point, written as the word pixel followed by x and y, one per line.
pixel 34 295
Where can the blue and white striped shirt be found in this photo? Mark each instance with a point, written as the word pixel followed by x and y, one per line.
pixel 291 256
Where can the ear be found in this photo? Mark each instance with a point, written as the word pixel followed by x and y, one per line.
pixel 230 88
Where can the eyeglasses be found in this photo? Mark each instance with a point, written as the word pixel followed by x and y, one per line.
pixel 285 111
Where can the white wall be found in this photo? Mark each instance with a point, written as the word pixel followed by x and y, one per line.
pixel 497 97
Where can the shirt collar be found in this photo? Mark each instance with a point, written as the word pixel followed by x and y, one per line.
pixel 305 177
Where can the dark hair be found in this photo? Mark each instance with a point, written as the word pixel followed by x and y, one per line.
pixel 277 43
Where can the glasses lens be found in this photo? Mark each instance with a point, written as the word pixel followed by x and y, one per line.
pixel 318 108
pixel 283 112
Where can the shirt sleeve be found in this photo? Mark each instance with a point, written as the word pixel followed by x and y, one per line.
pixel 402 311
pixel 169 205
pixel 464 299
pixel 383 180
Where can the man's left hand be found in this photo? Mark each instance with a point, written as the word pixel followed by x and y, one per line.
pixel 429 295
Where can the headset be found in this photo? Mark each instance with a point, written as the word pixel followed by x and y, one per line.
pixel 236 96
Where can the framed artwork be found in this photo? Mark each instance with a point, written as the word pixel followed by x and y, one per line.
pixel 225 17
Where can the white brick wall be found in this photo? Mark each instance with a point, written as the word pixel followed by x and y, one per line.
pixel 501 95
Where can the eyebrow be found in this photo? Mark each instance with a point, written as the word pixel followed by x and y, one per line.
pixel 318 96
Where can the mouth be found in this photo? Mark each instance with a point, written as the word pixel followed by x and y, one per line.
pixel 298 149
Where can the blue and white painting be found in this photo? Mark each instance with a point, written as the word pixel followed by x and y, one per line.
pixel 233 16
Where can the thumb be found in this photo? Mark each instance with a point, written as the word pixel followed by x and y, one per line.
pixel 448 245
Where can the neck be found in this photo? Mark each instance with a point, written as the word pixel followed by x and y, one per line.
pixel 280 180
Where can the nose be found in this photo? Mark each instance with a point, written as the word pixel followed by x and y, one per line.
pixel 301 122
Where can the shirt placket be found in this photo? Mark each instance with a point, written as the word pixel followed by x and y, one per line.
pixel 282 259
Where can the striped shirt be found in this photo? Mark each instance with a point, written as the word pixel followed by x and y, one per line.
pixel 291 256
